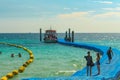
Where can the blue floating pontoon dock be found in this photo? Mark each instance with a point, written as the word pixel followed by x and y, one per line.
pixel 108 71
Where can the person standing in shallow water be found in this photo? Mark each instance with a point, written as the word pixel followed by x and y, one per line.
pixel 109 54
pixel 0 52
pixel 98 63
pixel 89 62
pixel 12 55
pixel 19 55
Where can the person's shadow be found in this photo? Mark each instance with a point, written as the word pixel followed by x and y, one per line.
pixel 107 63
pixel 96 74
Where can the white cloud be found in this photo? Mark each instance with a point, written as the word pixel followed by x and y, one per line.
pixel 104 2
pixel 107 8
pixel 118 4
pixel 70 8
pixel 73 15
pixel 78 23
pixel 76 14
pixel 83 15
pixel 67 8
pixel 75 8
pixel 108 14
pixel 91 11
pixel 116 9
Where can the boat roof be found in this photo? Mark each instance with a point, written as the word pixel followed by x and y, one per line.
pixel 50 30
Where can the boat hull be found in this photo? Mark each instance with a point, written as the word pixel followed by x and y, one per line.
pixel 50 41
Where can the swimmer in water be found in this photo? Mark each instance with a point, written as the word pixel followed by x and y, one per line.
pixel 19 55
pixel 12 55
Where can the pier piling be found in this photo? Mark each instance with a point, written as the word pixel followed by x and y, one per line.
pixel 40 34
pixel 65 36
pixel 69 35
pixel 72 36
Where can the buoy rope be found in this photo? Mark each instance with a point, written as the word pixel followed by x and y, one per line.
pixel 21 68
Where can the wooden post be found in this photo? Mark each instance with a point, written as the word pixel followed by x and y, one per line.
pixel 69 35
pixel 40 34
pixel 69 32
pixel 72 36
pixel 65 36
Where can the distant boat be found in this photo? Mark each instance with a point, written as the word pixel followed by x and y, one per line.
pixel 50 36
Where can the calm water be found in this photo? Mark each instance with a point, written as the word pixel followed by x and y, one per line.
pixel 50 59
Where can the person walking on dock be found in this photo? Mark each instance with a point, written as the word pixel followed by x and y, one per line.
pixel 98 63
pixel 109 54
pixel 89 63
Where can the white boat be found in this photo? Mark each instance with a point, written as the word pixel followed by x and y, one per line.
pixel 50 36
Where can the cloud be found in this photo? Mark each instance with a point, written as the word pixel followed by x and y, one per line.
pixel 116 9
pixel 89 14
pixel 118 4
pixel 70 8
pixel 104 2
pixel 108 14
pixel 75 8
pixel 78 24
pixel 91 11
pixel 73 15
pixel 107 8
pixel 67 8
pixel 76 14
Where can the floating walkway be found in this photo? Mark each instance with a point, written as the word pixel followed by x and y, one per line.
pixel 108 71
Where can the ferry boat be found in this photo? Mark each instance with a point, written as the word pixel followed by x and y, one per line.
pixel 50 36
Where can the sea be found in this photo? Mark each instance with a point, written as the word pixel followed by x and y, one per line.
pixel 50 59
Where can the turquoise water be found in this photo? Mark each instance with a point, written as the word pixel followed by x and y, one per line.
pixel 51 60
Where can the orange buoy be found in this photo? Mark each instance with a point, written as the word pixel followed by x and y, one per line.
pixel 4 78
pixel 30 52
pixel 31 57
pixel 30 60
pixel 9 75
pixel 15 72
pixel 25 48
pixel 25 64
pixel 21 69
pixel 19 46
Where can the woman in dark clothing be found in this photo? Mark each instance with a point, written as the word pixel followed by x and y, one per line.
pixel 89 62
pixel 109 54
pixel 98 63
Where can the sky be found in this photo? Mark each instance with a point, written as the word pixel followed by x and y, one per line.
pixel 82 16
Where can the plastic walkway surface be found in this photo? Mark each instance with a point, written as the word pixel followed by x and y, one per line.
pixel 108 71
